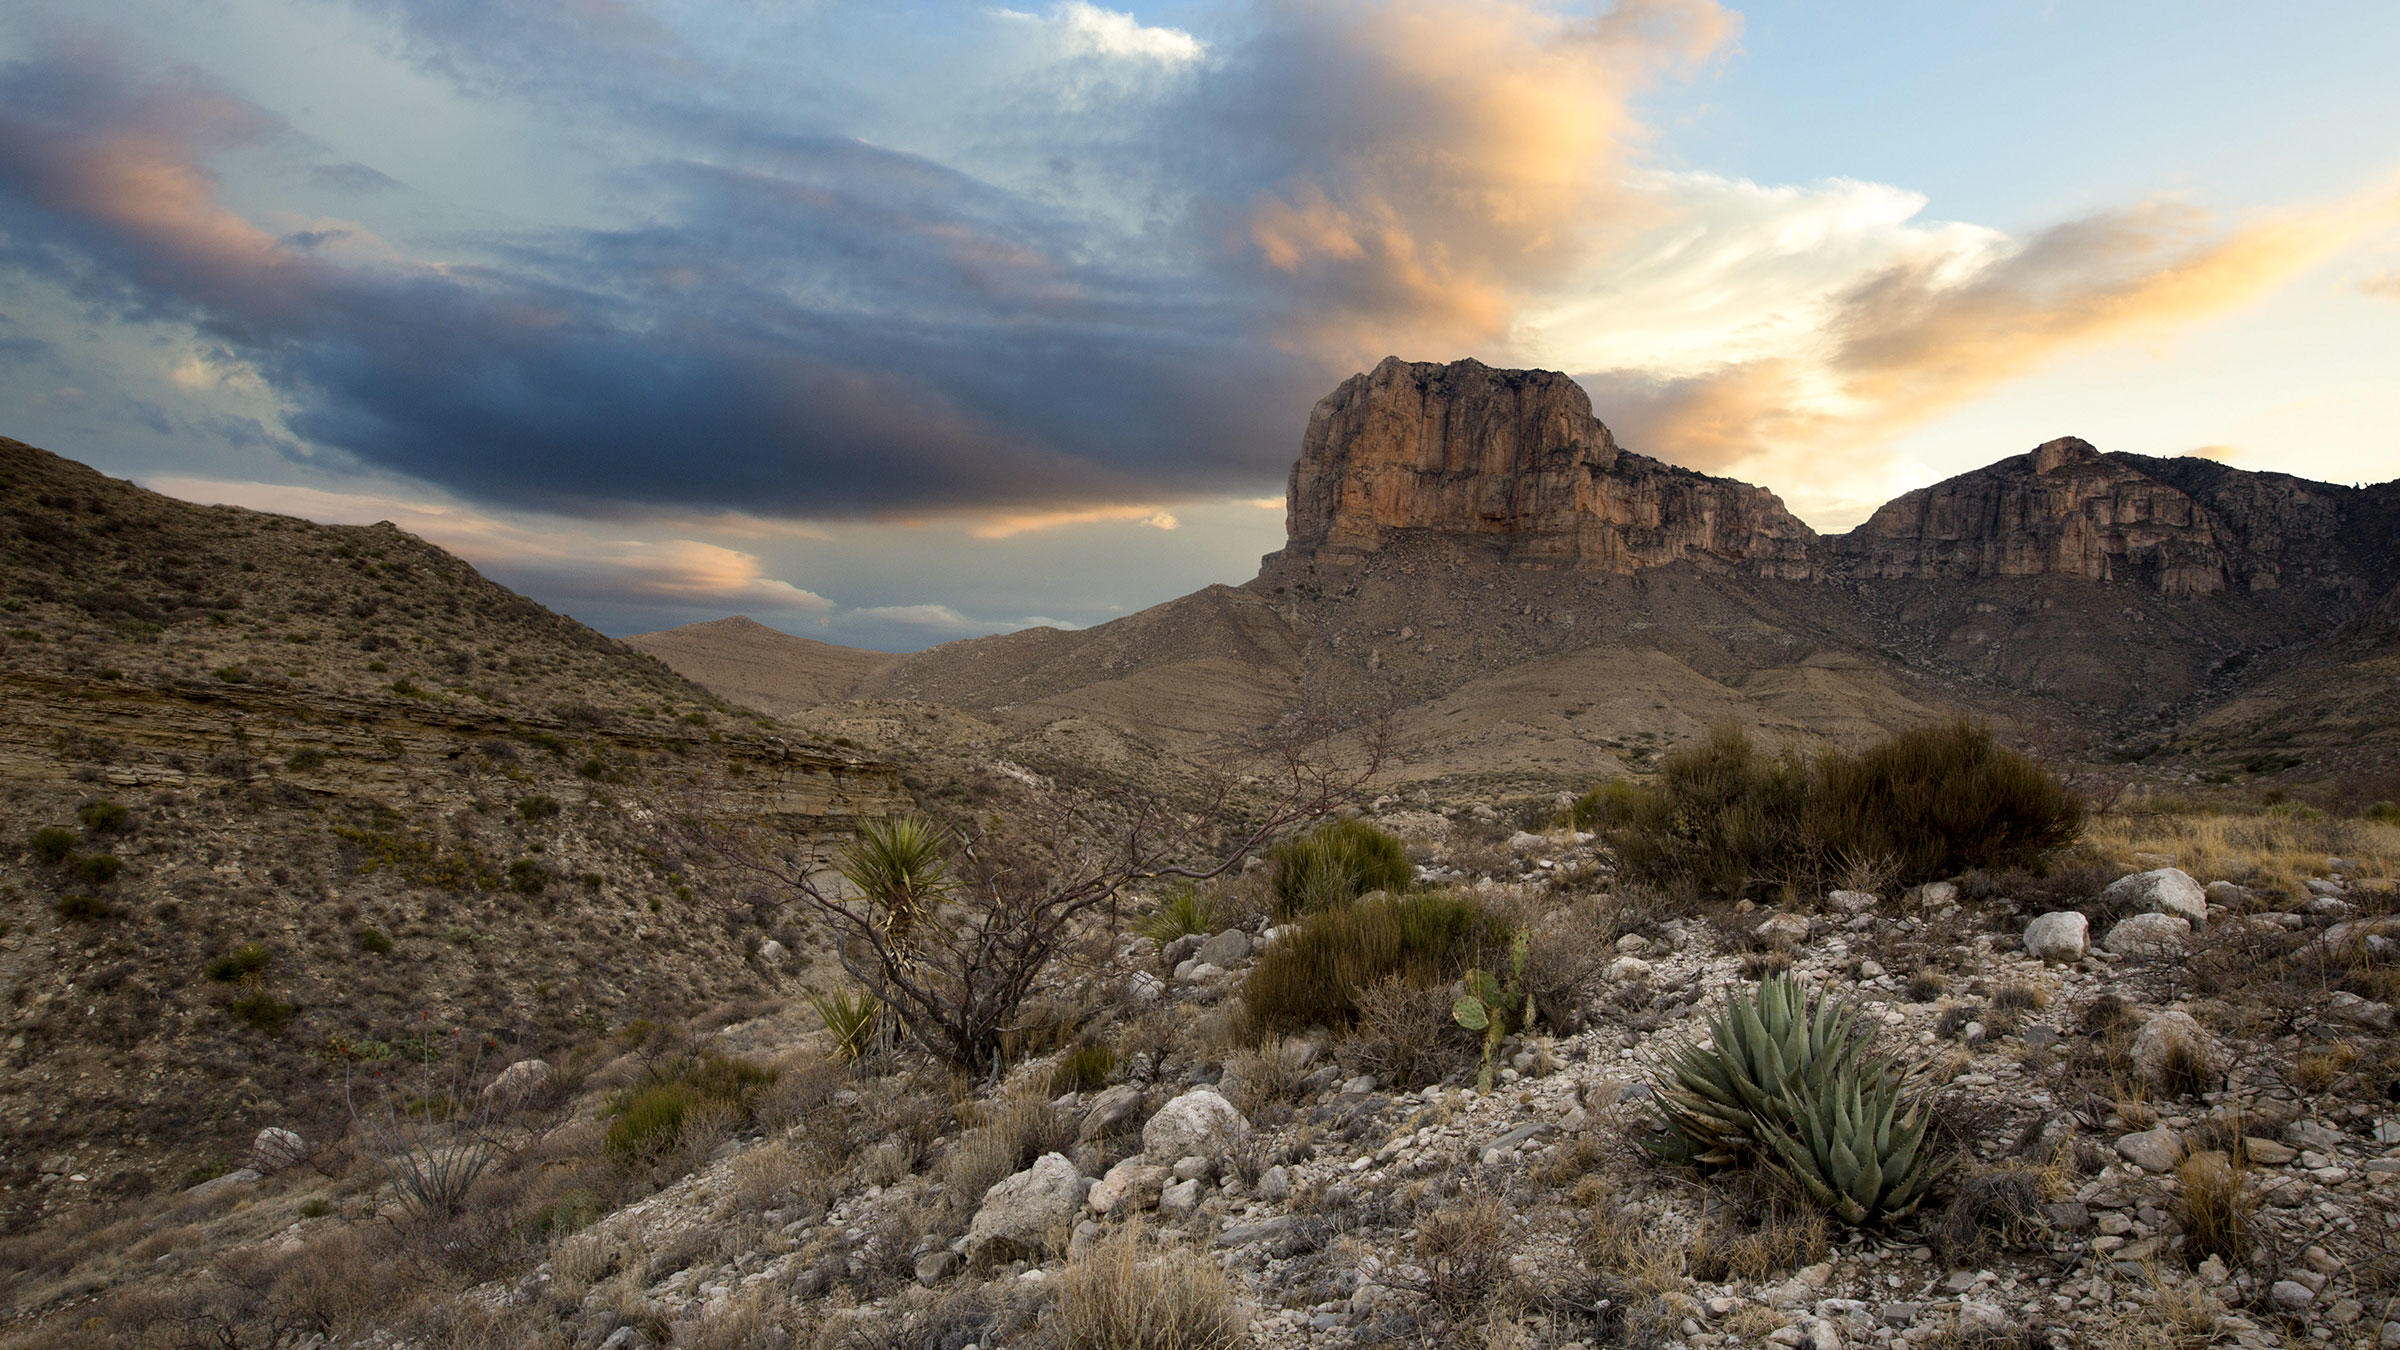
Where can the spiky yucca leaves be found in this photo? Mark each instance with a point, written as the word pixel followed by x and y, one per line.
pixel 853 1016
pixel 902 867
pixel 1794 1083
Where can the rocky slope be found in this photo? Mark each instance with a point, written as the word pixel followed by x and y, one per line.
pixel 758 667
pixel 420 803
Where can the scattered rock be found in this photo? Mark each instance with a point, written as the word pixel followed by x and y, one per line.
pixel 1626 968
pixel 2227 894
pixel 1112 1109
pixel 2148 935
pixel 231 1181
pixel 772 954
pixel 2062 936
pixel 2169 890
pixel 1198 1122
pixel 1145 986
pixel 1782 930
pixel 1225 949
pixel 2155 1150
pixel 517 1084
pixel 936 1266
pixel 2344 1006
pixel 1179 1199
pixel 275 1149
pixel 1132 1186
pixel 2291 1295
pixel 2157 1040
pixel 1853 902
pixel 1023 1212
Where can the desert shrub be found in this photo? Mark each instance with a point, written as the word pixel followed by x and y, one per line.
pixel 1992 1210
pixel 1793 1083
pixel 1406 1035
pixel 81 908
pixel 247 959
pixel 1927 803
pixel 1184 911
pixel 1611 803
pixel 1007 1137
pixel 1082 1068
pixel 1335 863
pixel 1313 976
pixel 527 876
pixel 1123 1294
pixel 306 759
pixel 373 942
pixel 99 868
pixel 104 816
pixel 52 843
pixel 262 1010
pixel 539 806
pixel 649 1117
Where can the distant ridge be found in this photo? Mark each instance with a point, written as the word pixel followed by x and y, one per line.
pixel 744 660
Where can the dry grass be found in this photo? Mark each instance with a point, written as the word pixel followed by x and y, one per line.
pixel 2276 849
pixel 1464 1249
pixel 1006 1139
pixel 1126 1294
pixel 2320 1068
pixel 2214 1205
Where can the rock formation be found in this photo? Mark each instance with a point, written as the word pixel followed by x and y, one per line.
pixel 1515 457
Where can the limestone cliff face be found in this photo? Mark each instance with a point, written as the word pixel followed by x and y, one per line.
pixel 1516 457
pixel 2062 510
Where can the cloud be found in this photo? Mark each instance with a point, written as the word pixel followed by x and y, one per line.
pixel 1007 526
pixel 2383 285
pixel 1081 29
pixel 948 620
pixel 1855 354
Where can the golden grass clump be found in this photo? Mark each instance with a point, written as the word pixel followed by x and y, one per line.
pixel 2275 849
pixel 1125 1294
pixel 2213 1203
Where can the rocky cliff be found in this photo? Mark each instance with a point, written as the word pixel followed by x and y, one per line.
pixel 1515 457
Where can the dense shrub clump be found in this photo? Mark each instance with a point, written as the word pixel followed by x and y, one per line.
pixel 1930 802
pixel 1314 976
pixel 1334 864
pixel 647 1119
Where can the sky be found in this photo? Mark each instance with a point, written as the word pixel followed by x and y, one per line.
pixel 890 323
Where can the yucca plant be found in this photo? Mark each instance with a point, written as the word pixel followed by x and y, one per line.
pixel 1792 1082
pixel 902 867
pixel 1184 911
pixel 853 1016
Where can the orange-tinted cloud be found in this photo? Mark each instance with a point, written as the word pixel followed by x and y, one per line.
pixel 1444 156
pixel 2383 285
pixel 1928 334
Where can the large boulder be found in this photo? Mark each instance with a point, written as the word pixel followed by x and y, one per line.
pixel 1198 1122
pixel 1225 950
pixel 2062 935
pixel 1030 1210
pixel 1782 930
pixel 2168 890
pixel 1132 1185
pixel 517 1084
pixel 2148 935
pixel 1113 1109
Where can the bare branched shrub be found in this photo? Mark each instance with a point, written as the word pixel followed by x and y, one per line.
pixel 426 1123
pixel 1262 1079
pixel 1405 1034
pixel 1463 1249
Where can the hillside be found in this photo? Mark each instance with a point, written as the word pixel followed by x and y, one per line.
pixel 270 784
pixel 755 665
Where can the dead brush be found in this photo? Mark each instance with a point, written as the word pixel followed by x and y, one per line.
pixel 1125 1293
pixel 2214 1205
pixel 1263 1081
pixel 2317 1070
pixel 1463 1249
pixel 1993 1210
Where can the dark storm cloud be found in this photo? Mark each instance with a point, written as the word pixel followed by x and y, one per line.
pixel 830 329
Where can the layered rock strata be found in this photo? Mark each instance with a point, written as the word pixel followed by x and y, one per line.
pixel 1515 458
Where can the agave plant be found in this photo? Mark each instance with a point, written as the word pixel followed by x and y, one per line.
pixel 1794 1083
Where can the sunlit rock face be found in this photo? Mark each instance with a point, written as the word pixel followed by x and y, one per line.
pixel 2063 509
pixel 1515 457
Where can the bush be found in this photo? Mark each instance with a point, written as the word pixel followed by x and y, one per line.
pixel 52 843
pixel 247 959
pixel 104 816
pixel 1314 976
pixel 99 868
pixel 527 876
pixel 373 942
pixel 81 908
pixel 1081 1069
pixel 647 1119
pixel 1339 861
pixel 539 806
pixel 262 1010
pixel 1928 803
pixel 1183 912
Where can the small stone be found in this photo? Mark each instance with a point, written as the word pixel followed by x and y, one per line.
pixel 2291 1295
pixel 1782 930
pixel 1130 1185
pixel 1852 902
pixel 1199 1121
pixel 2155 1045
pixel 1358 1086
pixel 1145 986
pixel 1179 1199
pixel 1192 1167
pixel 1226 949
pixel 2344 1006
pixel 1275 1183
pixel 1627 968
pixel 2227 894
pixel 2267 1152
pixel 936 1266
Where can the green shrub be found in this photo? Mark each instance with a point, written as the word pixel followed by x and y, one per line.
pixel 305 760
pixel 373 942
pixel 1928 803
pixel 1081 1069
pixel 262 1010
pixel 81 908
pixel 1314 975
pixel 1335 864
pixel 851 1017
pixel 103 816
pixel 52 843
pixel 527 876
pixel 99 868
pixel 539 806
pixel 1794 1084
pixel 247 959
pixel 1184 911
pixel 647 1119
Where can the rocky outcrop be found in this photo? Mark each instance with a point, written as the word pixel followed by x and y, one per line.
pixel 1516 458
pixel 2063 509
